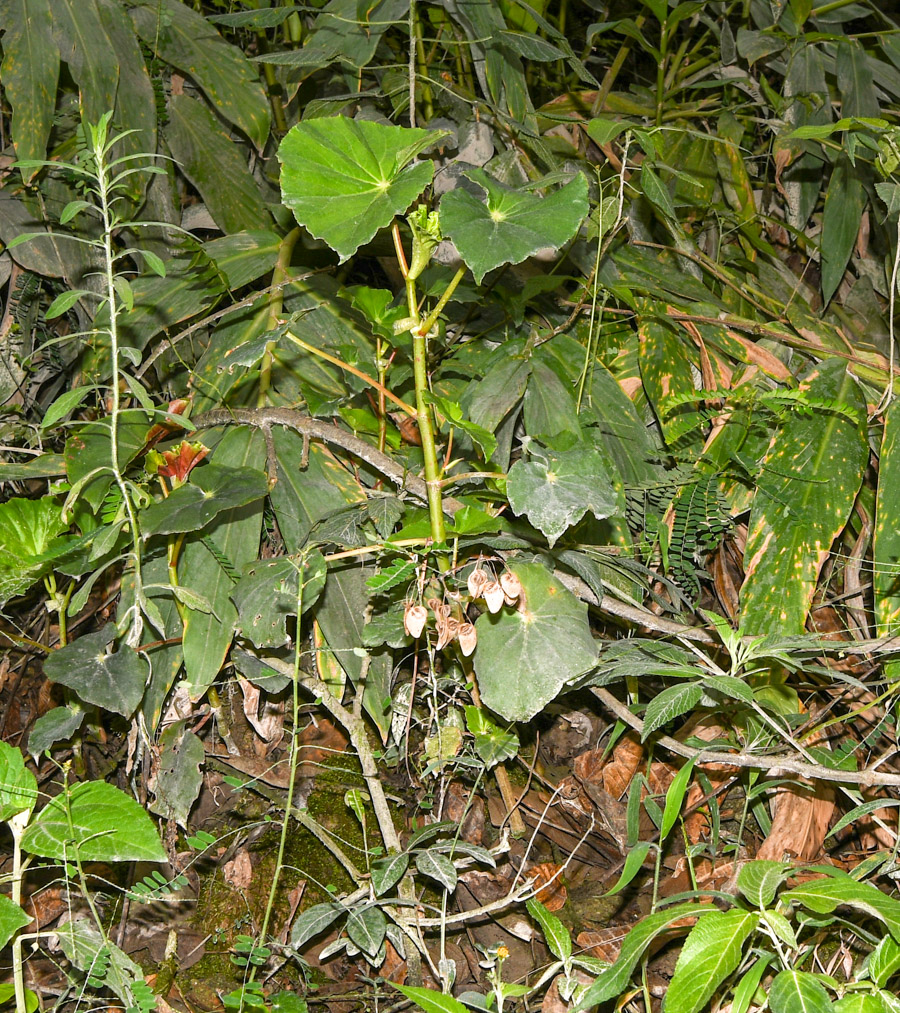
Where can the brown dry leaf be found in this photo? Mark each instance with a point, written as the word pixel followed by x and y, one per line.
pixel 294 898
pixel 45 906
pixel 394 966
pixel 553 1002
pixel 267 721
pixel 239 871
pixel 627 757
pixel 604 944
pixel 550 891
pixel 799 824
pixel 461 807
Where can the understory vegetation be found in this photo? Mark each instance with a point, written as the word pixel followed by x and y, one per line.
pixel 450 517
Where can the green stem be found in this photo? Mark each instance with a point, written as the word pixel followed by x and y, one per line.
pixel 276 304
pixel 609 78
pixel 17 826
pixel 661 72
pixel 423 417
pixel 294 759
pixel 104 193
pixel 442 302
pixel 422 67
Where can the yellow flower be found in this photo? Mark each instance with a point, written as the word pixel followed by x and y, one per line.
pixel 502 953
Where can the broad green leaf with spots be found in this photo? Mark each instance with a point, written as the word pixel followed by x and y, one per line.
pixel 554 490
pixel 525 655
pixel 347 179
pixel 805 492
pixel 510 225
pixel 211 490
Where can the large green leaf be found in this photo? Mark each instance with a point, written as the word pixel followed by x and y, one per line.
pixel 526 655
pixel 798 992
pixel 12 918
pixel 269 591
pixel 18 786
pixel 30 71
pixel 549 408
pixel 28 528
pixel 804 496
pixel 432 1001
pixel 556 489
pixel 234 538
pixel 112 681
pixel 212 489
pixel 512 224
pixel 88 449
pixel 96 821
pixel 613 981
pixel 665 368
pixel 180 774
pixel 346 179
pixel 182 37
pixel 712 950
pixel 215 166
pixel 844 203
pixel 824 895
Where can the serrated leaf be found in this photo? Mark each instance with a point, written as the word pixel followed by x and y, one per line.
pixel 29 544
pixel 612 982
pixel 510 225
pixel 669 704
pixel 432 1001
pixel 555 933
pixel 387 872
pixel 98 822
pixel 347 179
pixel 884 961
pixel 798 992
pixel 211 490
pixel 712 950
pixel 526 655
pixel 437 867
pixel 824 895
pixel 556 490
pixel 112 681
pixel 311 922
pixel 759 881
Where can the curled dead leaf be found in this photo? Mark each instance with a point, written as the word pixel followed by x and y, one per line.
pixel 550 891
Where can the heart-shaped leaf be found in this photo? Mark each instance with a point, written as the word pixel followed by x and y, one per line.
pixel 102 824
pixel 512 224
pixel 556 490
pixel 346 179
pixel 526 655
pixel 112 681
pixel 211 490
pixel 12 918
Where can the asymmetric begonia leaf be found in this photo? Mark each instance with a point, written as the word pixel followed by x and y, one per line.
pixel 557 489
pixel 113 681
pixel 527 654
pixel 346 179
pixel 211 490
pixel 510 225
pixel 18 786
